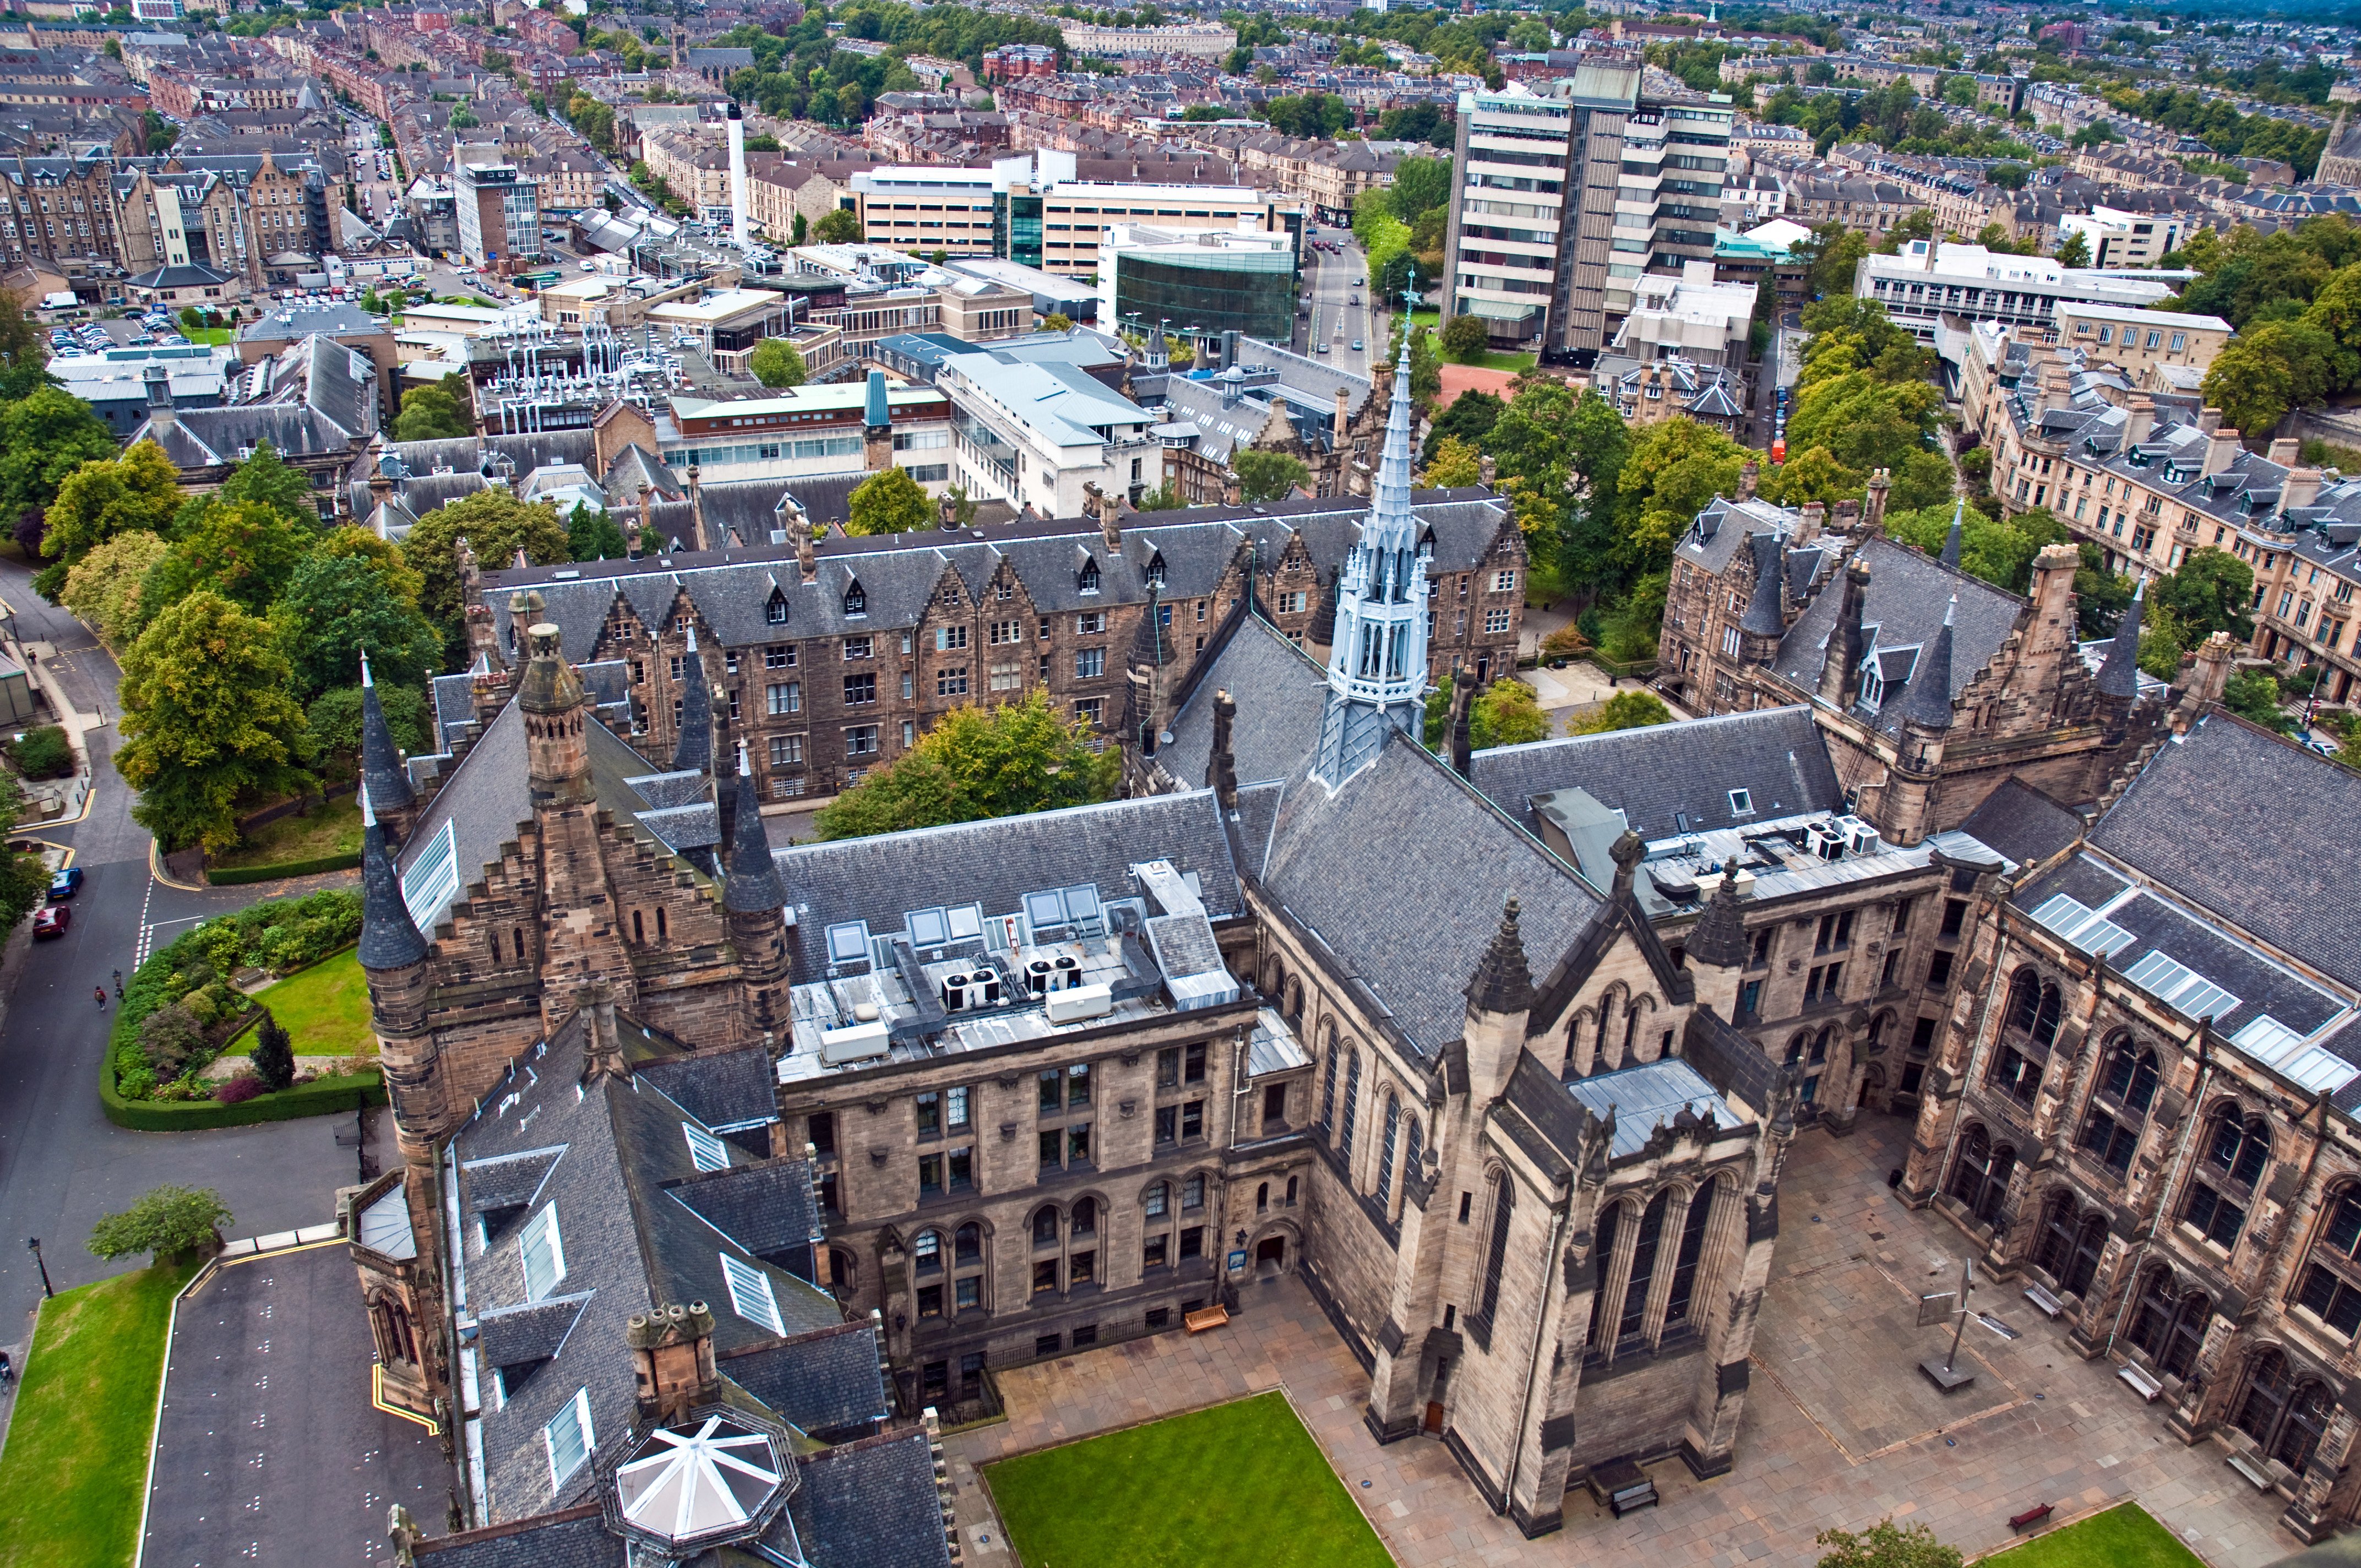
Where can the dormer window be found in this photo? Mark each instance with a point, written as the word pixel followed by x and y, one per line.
pixel 1156 571
pixel 1872 686
pixel 1088 581
pixel 774 612
pixel 856 600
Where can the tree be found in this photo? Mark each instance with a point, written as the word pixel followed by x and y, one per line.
pixel 140 490
pixel 593 536
pixel 335 609
pixel 1164 498
pixel 1674 471
pixel 496 525
pixel 176 1224
pixel 432 412
pixel 963 506
pixel 1469 418
pixel 265 480
pixel 976 763
pixel 107 589
pixel 1466 341
pixel 888 501
pixel 1885 1545
pixel 1506 713
pixel 2075 250
pixel 2000 550
pixel 1425 368
pixel 395 576
pixel 45 438
pixel 1265 476
pixel 243 551
pixel 2254 696
pixel 273 1055
pixel 2212 591
pixel 1624 710
pixel 1420 185
pixel 1452 464
pixel 1057 321
pixel 2101 597
pixel 207 721
pixel 334 723
pixel 842 226
pixel 775 362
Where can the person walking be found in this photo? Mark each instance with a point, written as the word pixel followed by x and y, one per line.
pixel 98 995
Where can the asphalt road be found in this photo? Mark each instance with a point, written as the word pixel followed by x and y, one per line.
pixel 62 1164
pixel 1329 283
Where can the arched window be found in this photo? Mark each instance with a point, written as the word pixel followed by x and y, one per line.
pixel 1634 1313
pixel 1157 1203
pixel 1290 1191
pixel 1820 1045
pixel 1602 1255
pixel 2045 1021
pixel 1262 1196
pixel 1980 1177
pixel 967 1244
pixel 1386 1154
pixel 2284 1416
pixel 1352 1105
pixel 2170 1324
pixel 1295 1003
pixel 967 1268
pixel 2070 1243
pixel 1413 1146
pixel 843 1270
pixel 1496 1256
pixel 1085 1219
pixel 2024 1001
pixel 926 1251
pixel 395 1342
pixel 2221 1186
pixel 1686 1262
pixel 1795 1048
pixel 1045 1226
pixel 2331 1288
pixel 2111 1129
pixel 1328 1089
pixel 2025 1042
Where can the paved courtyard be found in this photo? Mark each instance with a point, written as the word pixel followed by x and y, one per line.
pixel 1840 1429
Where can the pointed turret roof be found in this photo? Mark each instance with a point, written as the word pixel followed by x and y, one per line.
pixel 1502 983
pixel 1928 702
pixel 382 775
pixel 693 753
pixel 390 938
pixel 1391 524
pixel 1952 540
pixel 754 881
pixel 1719 938
pixel 2119 676
pixel 1764 613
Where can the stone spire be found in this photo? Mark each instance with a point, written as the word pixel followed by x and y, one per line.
pixel 390 938
pixel 2119 676
pixel 1720 939
pixel 1952 540
pixel 1502 983
pixel 753 882
pixel 1841 670
pixel 1928 703
pixel 382 775
pixel 693 752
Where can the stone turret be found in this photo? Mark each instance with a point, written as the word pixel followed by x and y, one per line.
pixel 382 772
pixel 393 958
pixel 1952 540
pixel 1499 995
pixel 1840 672
pixel 2118 678
pixel 1719 939
pixel 692 752
pixel 755 902
pixel 1765 619
pixel 672 1361
pixel 557 753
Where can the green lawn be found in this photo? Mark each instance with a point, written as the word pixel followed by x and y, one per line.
pixel 1239 1483
pixel 324 1008
pixel 2126 1536
pixel 77 1459
pixel 331 829
pixel 214 334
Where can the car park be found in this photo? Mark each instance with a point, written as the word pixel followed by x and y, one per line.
pixel 51 920
pixel 65 883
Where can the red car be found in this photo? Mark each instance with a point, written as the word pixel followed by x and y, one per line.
pixel 51 920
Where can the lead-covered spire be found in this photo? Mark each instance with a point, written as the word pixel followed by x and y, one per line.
pixel 382 775
pixel 753 880
pixel 390 938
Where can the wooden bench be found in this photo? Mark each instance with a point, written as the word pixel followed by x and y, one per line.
pixel 1205 1317
pixel 2050 1305
pixel 2030 1516
pixel 2145 1386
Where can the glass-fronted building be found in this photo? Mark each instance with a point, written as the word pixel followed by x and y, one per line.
pixel 1202 284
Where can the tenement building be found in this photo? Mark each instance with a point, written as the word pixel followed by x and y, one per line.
pixel 967 1096
pixel 2143 1105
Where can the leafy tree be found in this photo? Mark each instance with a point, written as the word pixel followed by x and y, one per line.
pixel 979 763
pixel 334 608
pixel 2000 550
pixel 1265 476
pixel 593 536
pixel 1420 185
pixel 1674 471
pixel 24 351
pixel 842 226
pixel 2012 177
pixel 107 588
pixel 44 437
pixel 963 506
pixel 775 362
pixel 1506 713
pixel 242 550
pixel 1426 369
pixel 1466 341
pixel 176 1224
pixel 395 576
pixel 140 490
pixel 2101 597
pixel 496 525
pixel 1057 321
pixel 207 721
pixel 2075 251
pixel 2254 696
pixel 1452 464
pixel 273 1054
pixel 1469 419
pixel 1833 253
pixel 1885 1545
pixel 432 412
pixel 889 501
pixel 2212 591
pixel 1624 710
pixel 334 723
pixel 1164 498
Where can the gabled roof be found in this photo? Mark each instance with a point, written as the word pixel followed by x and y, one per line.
pixel 1672 779
pixel 1908 597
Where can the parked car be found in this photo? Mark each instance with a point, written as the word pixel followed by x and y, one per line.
pixel 51 920
pixel 66 883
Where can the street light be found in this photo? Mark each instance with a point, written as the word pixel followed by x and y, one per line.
pixel 34 1243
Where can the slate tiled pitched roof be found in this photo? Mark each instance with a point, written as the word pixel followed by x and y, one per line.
pixel 1908 595
pixel 862 1505
pixel 823 1381
pixel 578 1541
pixel 764 1207
pixel 720 1088
pixel 1669 779
pixel 2023 823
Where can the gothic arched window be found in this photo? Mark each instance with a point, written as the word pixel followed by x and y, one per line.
pixel 2221 1187
pixel 1496 1256
pixel 1980 1176
pixel 1352 1105
pixel 2331 1287
pixel 2111 1128
pixel 1386 1153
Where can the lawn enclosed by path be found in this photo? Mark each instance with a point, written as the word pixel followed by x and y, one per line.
pixel 1241 1482
pixel 77 1459
pixel 2126 1536
pixel 324 1009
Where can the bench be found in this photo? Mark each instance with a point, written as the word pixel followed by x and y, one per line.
pixel 2030 1516
pixel 1622 1487
pixel 2050 1305
pixel 1205 1317
pixel 2145 1386
pixel 2244 1465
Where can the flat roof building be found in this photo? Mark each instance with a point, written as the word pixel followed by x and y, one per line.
pixel 1202 284
pixel 1929 279
pixel 499 210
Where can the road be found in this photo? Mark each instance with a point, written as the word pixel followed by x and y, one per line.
pixel 1329 283
pixel 62 1164
pixel 377 176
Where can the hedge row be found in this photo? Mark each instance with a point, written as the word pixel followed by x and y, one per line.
pixel 321 1096
pixel 232 876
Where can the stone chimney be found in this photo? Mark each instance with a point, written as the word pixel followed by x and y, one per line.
pixel 2057 387
pixel 602 1051
pixel 1488 470
pixel 1233 493
pixel 2302 487
pixel 1815 514
pixel 698 538
pixel 1463 699
pixel 158 382
pixel 1749 477
pixel 799 534
pixel 2139 420
pixel 2209 419
pixel 1873 519
pixel 2287 451
pixel 1220 763
pixel 672 1361
pixel 2202 680
pixel 2222 449
pixel 1344 419
pixel 1841 670
pixel 1846 519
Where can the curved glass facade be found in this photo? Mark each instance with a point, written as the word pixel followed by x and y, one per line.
pixel 1210 290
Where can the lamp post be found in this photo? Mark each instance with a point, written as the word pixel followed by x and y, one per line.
pixel 34 1244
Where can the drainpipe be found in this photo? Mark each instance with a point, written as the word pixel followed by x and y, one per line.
pixel 1534 1358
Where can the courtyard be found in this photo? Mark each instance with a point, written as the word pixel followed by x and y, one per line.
pixel 1841 1428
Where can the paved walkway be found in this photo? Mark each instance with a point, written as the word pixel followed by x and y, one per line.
pixel 1840 1429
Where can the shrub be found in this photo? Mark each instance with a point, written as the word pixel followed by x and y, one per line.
pixel 171 1222
pixel 42 753
pixel 1566 642
pixel 240 1090
pixel 273 1055
pixel 171 1038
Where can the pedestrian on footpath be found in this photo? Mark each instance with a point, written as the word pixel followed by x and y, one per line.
pixel 98 994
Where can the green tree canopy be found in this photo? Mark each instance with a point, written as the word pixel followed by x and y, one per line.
pixel 24 351
pixel 244 550
pixel 45 438
pixel 2212 591
pixel 433 411
pixel 888 501
pixel 2075 251
pixel 2254 696
pixel 273 1055
pixel 103 498
pixel 107 589
pixel 1420 185
pixel 1265 476
pixel 775 362
pixel 593 535
pixel 1466 341
pixel 174 1222
pixel 1624 710
pixel 1453 463
pixel 395 576
pixel 979 763
pixel 2000 550
pixel 842 226
pixel 1674 471
pixel 1885 1545
pixel 333 610
pixel 496 525
pixel 1469 418
pixel 207 721
pixel 334 723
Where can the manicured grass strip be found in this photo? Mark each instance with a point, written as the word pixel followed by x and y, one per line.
pixel 2126 1536
pixel 324 1009
pixel 332 829
pixel 76 1465
pixel 210 335
pixel 1239 1483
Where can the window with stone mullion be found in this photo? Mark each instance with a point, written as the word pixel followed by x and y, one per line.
pixel 1639 1281
pixel 2222 1188
pixel 1694 1222
pixel 1352 1107
pixel 1496 1259
pixel 1608 1265
pixel 2331 1288
pixel 2119 1107
pixel 1386 1155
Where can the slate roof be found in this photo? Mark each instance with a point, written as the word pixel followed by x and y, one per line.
pixel 578 1541
pixel 720 1088
pixel 764 1207
pixel 862 1505
pixel 1907 594
pixel 1775 754
pixel 826 1380
pixel 515 1336
pixel 1716 533
pixel 2023 823
pixel 1280 692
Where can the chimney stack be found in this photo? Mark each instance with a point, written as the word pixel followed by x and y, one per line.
pixel 2286 451
pixel 1815 513
pixel 740 235
pixel 1463 697
pixel 158 382
pixel 672 1361
pixel 2209 419
pixel 2222 449
pixel 1221 765
pixel 2302 489
pixel 2139 420
pixel 1749 477
pixel 1874 517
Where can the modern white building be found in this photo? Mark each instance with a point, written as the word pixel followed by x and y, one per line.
pixel 1928 281
pixel 2118 239
pixel 1688 317
pixel 1033 432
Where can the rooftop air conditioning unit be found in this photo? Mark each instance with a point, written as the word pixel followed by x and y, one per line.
pixel 1078 1003
pixel 855 1042
pixel 1826 841
pixel 1859 837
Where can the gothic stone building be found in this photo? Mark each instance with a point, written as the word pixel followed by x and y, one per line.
pixel 2144 1104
